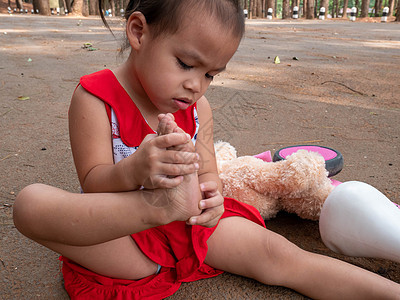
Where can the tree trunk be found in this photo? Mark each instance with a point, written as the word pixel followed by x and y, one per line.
pixel 337 8
pixel 285 9
pixel 315 8
pixel 85 8
pixel 93 7
pixel 19 4
pixel 325 4
pixel 294 3
pixel 35 4
pixel 377 7
pixel 304 13
pixel 357 5
pixel 270 4
pixel 263 9
pixel 256 9
pixel 364 8
pixel 77 7
pixel 112 4
pixel 310 9
pixel 398 12
pixel 391 7
pixel 68 5
pixel 345 5
pixel 44 7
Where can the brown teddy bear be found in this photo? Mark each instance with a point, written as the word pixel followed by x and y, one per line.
pixel 299 184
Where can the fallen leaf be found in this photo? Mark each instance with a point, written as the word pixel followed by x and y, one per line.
pixel 277 60
pixel 23 98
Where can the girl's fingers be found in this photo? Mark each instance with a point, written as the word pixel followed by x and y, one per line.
pixel 166 124
pixel 209 187
pixel 171 140
pixel 163 182
pixel 208 218
pixel 160 117
pixel 214 201
pixel 179 157
pixel 178 169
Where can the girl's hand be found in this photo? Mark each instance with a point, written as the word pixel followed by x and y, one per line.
pixel 154 166
pixel 212 206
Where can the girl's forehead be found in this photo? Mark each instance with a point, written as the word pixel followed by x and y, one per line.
pixel 209 43
pixel 204 22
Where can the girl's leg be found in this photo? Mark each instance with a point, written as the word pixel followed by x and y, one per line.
pixel 119 258
pixel 96 239
pixel 242 247
pixel 46 213
pixel 93 229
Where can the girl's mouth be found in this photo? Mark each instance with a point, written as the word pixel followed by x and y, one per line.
pixel 182 103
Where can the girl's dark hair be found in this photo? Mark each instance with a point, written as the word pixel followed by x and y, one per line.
pixel 165 16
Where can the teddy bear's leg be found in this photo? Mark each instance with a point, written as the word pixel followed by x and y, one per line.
pixel 358 220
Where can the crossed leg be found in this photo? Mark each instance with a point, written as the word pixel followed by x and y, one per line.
pixel 93 229
pixel 242 247
pixel 118 258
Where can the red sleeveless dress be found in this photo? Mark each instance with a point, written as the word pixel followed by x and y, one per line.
pixel 180 249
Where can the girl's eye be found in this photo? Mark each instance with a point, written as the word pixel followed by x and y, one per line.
pixel 183 65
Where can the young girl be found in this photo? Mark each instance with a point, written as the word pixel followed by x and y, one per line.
pixel 152 215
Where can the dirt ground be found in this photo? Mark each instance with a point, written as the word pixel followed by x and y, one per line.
pixel 338 85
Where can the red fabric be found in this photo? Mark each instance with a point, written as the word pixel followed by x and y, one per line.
pixel 180 249
pixel 133 128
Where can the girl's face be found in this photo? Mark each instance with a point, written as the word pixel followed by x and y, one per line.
pixel 174 71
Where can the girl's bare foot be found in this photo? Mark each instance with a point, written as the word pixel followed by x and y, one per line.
pixel 183 199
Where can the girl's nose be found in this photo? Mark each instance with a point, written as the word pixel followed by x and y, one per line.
pixel 193 84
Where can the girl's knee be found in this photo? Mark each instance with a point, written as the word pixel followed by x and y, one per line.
pixel 281 256
pixel 25 208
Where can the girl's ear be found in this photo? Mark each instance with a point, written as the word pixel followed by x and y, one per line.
pixel 135 29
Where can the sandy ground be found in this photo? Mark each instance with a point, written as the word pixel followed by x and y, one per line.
pixel 342 92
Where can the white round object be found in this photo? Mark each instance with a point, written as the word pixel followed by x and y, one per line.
pixel 358 220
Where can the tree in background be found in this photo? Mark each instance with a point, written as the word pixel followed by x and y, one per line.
pixel 391 7
pixel 364 8
pixel 43 6
pixel 93 7
pixel 310 9
pixel 377 8
pixel 345 6
pixel 325 3
pixel 256 8
pixel 77 7
pixel 286 9
pixel 270 4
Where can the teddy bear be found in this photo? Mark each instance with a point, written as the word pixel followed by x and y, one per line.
pixel 299 184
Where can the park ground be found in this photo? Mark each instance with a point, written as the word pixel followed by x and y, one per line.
pixel 337 85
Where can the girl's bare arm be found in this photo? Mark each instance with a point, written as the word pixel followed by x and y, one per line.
pixel 205 144
pixel 91 143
